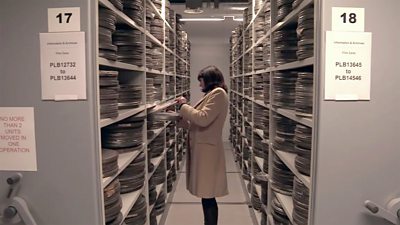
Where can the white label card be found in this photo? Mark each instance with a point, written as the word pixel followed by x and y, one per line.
pixel 17 139
pixel 63 66
pixel 348 19
pixel 64 19
pixel 348 66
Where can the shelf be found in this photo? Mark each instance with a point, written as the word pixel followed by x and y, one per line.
pixel 289 160
pixel 287 204
pixel 128 201
pixel 119 65
pixel 121 17
pixel 156 162
pixel 292 16
pixel 123 114
pixel 162 106
pixel 291 114
pixel 259 161
pixel 160 16
pixel 248 98
pixel 159 188
pixel 270 220
pixel 258 216
pixel 157 132
pixel 260 133
pixel 157 72
pixel 124 160
pixel 258 190
pixel 261 103
pixel 294 65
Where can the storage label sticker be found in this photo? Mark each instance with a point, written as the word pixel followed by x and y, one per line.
pixel 63 66
pixel 64 19
pixel 17 139
pixel 348 56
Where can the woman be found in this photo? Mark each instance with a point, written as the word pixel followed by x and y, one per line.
pixel 205 165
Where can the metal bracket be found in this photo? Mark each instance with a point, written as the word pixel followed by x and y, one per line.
pixel 391 213
pixel 17 209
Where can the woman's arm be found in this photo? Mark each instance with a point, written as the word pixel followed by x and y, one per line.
pixel 208 113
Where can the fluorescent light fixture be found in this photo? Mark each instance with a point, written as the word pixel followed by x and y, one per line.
pixel 238 8
pixel 209 19
pixel 193 11
pixel 201 19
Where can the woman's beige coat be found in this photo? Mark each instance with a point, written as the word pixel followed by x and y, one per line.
pixel 205 165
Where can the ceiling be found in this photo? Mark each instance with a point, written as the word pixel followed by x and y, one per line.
pixel 227 9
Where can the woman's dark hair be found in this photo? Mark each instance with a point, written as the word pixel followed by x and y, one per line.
pixel 212 78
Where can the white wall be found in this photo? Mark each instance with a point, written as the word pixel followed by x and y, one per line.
pixel 210 46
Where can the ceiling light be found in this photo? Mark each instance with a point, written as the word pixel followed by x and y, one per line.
pixel 238 8
pixel 201 19
pixel 193 11
pixel 238 19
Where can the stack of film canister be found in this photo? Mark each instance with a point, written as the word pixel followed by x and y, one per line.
pixel 247 85
pixel 282 177
pixel 112 203
pixel 130 96
pixel 285 41
pixel 154 57
pixel 285 131
pixel 259 25
pixel 284 8
pixel 158 84
pixel 129 42
pixel 266 154
pixel 150 90
pixel 284 92
pixel 266 81
pixel 158 176
pixel 156 147
pixel 159 207
pixel 157 4
pixel 149 54
pixel 261 117
pixel 255 199
pixel 124 136
pixel 296 3
pixel 257 5
pixel 109 162
pixel 300 202
pixel 134 10
pixel 150 14
pixel 118 4
pixel 170 158
pixel 152 195
pixel 258 146
pixel 107 21
pixel 304 94
pixel 267 51
pixel 305 33
pixel 303 143
pixel 109 89
pixel 132 178
pixel 278 213
pixel 258 87
pixel 267 16
pixel 137 215
pixel 259 63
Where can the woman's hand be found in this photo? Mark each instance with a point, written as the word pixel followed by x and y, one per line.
pixel 181 100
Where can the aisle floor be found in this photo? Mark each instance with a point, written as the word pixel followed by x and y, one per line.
pixel 186 209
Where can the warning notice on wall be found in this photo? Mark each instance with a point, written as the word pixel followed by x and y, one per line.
pixel 17 139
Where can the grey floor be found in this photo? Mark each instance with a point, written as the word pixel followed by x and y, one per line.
pixel 185 209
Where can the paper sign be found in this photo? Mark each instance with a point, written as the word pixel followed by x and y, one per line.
pixel 63 66
pixel 17 139
pixel 64 19
pixel 348 19
pixel 348 65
